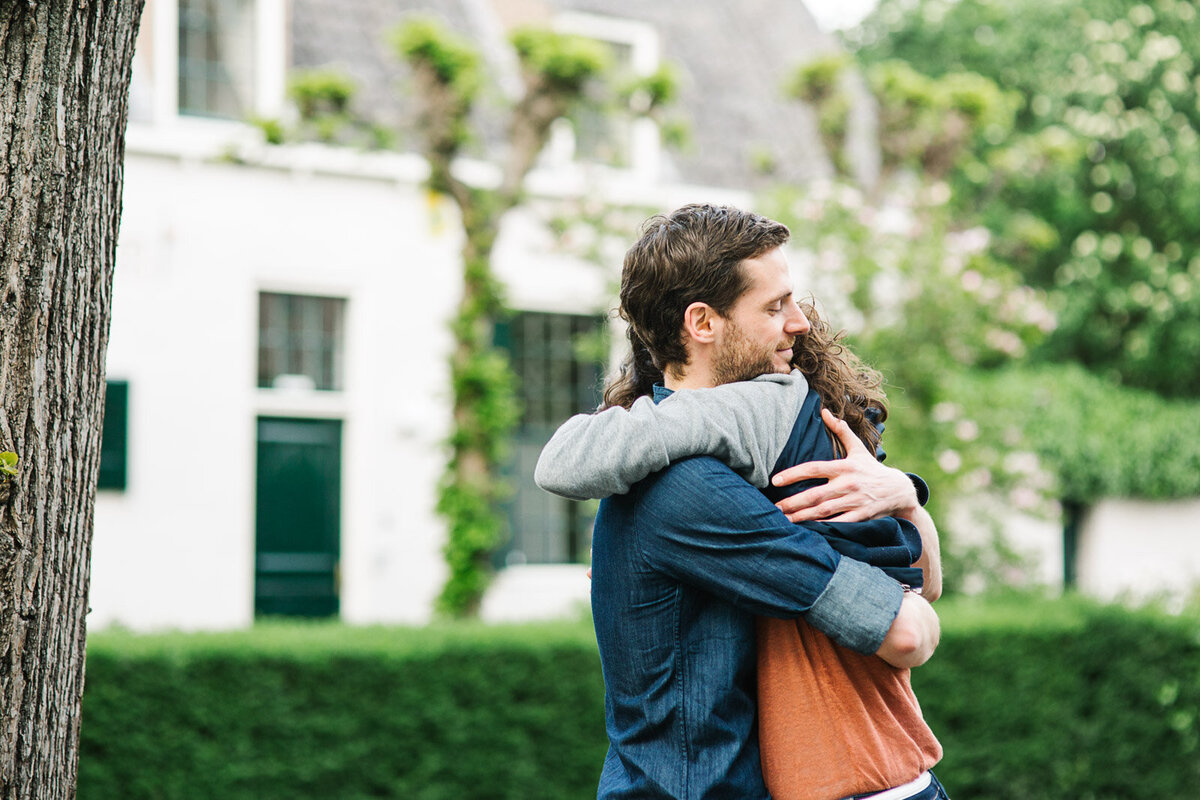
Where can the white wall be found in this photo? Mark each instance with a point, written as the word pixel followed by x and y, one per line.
pixel 1139 550
pixel 198 242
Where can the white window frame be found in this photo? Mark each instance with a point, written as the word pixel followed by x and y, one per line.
pixel 270 64
pixel 645 146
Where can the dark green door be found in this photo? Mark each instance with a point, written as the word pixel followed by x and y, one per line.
pixel 298 510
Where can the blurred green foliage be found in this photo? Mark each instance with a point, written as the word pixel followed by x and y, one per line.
pixel 1099 440
pixel 926 122
pixel 1095 192
pixel 1019 220
pixel 452 58
pixel 1031 698
pixel 334 712
pixel 568 62
pixel 1032 702
pixel 321 91
pixel 644 93
pixel 324 100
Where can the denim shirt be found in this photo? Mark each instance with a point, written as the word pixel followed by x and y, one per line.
pixel 680 567
pixel 891 544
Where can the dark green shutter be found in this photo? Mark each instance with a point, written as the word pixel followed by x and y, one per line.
pixel 114 442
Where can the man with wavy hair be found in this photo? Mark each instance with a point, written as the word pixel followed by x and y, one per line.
pixel 685 558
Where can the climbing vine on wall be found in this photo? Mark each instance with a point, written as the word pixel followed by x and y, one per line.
pixel 554 70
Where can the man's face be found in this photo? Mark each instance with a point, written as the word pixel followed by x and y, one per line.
pixel 760 330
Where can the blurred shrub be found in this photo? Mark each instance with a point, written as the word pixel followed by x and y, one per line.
pixel 332 712
pixel 1045 700
pixel 1031 698
pixel 319 92
pixel 1097 439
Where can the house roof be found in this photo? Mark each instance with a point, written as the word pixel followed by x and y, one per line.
pixel 732 59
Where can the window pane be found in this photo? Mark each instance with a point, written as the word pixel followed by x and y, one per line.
pixel 216 57
pixel 557 379
pixel 603 133
pixel 300 335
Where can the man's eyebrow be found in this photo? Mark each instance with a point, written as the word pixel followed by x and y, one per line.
pixel 781 298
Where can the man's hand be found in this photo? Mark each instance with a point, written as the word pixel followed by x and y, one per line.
pixel 859 487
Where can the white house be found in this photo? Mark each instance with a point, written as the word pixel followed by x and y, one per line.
pixel 277 370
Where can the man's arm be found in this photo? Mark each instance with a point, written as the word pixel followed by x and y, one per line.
pixel 703 525
pixel 744 424
pixel 857 489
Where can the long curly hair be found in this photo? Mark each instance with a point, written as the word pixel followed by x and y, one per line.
pixel 848 387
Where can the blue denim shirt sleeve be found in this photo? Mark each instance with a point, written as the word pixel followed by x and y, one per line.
pixel 703 525
pixel 857 609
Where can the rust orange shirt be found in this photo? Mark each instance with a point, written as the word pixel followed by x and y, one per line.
pixel 832 722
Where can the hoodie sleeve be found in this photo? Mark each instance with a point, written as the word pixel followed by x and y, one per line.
pixel 743 424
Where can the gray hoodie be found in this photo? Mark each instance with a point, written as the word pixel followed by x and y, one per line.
pixel 744 424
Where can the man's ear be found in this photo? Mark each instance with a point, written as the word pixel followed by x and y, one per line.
pixel 701 323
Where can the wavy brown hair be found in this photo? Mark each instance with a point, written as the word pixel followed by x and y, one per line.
pixel 694 254
pixel 847 386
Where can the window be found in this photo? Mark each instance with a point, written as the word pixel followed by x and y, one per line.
pixel 559 359
pixel 604 134
pixel 614 135
pixel 114 437
pixel 216 57
pixel 300 341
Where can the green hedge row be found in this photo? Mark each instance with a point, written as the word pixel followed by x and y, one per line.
pixel 1031 699
pixel 1065 700
pixel 333 712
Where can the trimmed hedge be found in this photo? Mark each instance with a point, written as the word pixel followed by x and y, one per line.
pixel 1031 699
pixel 1065 700
pixel 323 711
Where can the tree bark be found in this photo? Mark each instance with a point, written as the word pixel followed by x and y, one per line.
pixel 64 87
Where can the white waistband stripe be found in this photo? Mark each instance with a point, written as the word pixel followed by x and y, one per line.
pixel 918 784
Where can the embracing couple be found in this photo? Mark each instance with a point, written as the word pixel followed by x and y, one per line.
pixel 761 582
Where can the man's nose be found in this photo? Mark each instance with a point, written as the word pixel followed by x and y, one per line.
pixel 797 324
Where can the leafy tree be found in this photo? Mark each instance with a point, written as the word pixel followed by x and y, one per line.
pixel 557 73
pixel 940 301
pixel 918 285
pixel 64 88
pixel 1095 193
pixel 324 103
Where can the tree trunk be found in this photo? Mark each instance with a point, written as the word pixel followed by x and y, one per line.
pixel 64 87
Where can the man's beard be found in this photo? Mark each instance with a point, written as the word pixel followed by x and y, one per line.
pixel 739 359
